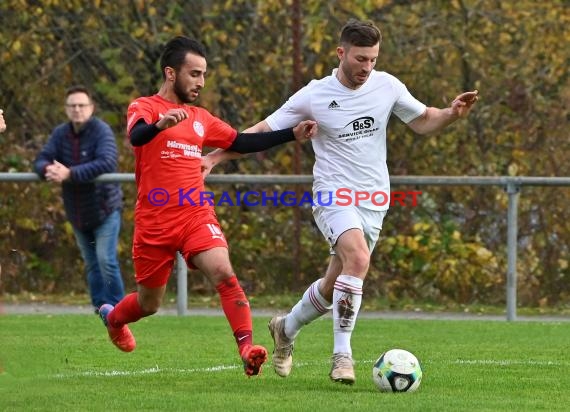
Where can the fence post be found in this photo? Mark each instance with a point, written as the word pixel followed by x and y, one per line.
pixel 181 285
pixel 513 191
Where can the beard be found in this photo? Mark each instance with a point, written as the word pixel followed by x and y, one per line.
pixel 182 95
pixel 349 78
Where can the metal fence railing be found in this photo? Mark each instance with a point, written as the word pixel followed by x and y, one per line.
pixel 511 185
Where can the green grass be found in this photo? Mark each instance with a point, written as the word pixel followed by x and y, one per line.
pixel 66 363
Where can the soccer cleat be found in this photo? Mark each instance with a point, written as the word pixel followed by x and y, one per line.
pixel 121 337
pixel 253 356
pixel 283 347
pixel 342 368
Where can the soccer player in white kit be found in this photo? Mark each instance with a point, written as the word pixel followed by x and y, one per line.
pixel 352 107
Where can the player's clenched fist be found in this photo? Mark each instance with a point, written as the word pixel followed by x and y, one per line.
pixel 306 129
pixel 171 118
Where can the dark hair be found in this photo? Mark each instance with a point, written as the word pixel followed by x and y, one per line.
pixel 78 88
pixel 360 34
pixel 176 50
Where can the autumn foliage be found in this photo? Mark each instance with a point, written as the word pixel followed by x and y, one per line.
pixel 449 249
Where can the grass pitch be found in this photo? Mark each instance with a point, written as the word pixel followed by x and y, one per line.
pixel 66 363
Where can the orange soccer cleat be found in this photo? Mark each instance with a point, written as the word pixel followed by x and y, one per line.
pixel 121 337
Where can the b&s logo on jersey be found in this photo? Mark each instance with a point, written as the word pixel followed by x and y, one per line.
pixel 358 128
pixel 362 123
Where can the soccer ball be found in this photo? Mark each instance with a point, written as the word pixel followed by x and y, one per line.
pixel 397 370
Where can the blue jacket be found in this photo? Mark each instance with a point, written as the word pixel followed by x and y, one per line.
pixel 87 154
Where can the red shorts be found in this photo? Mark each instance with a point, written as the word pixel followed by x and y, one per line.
pixel 155 247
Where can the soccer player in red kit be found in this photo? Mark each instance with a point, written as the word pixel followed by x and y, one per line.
pixel 168 136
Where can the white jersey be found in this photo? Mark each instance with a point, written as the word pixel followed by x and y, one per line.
pixel 350 147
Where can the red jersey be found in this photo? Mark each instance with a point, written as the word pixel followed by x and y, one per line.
pixel 168 168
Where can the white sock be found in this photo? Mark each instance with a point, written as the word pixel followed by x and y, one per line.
pixel 347 298
pixel 311 306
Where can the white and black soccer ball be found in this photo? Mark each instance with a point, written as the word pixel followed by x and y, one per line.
pixel 397 370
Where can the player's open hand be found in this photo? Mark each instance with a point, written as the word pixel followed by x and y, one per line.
pixel 307 129
pixel 2 121
pixel 462 104
pixel 171 118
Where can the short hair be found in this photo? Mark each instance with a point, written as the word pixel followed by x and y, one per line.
pixel 176 50
pixel 78 88
pixel 360 34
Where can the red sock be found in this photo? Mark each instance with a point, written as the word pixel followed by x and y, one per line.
pixel 126 311
pixel 236 308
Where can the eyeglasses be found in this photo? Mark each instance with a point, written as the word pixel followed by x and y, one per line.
pixel 79 105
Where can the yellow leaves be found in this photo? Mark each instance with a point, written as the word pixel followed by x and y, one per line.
pixel 390 241
pixel 223 71
pixel 16 45
pixel 27 223
pixel 37 48
pixel 421 227
pixel 412 243
pixel 68 228
pixel 443 256
pixel 222 36
pixel 92 22
pixel 245 229
pixel 477 48
pixel 505 38
pixel 484 253
pixel 319 69
pixel 519 154
pixel 285 160
pixel 140 31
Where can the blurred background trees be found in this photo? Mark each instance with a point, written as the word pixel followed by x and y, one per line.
pixel 449 250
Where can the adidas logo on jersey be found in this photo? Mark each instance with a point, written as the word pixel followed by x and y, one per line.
pixel 334 105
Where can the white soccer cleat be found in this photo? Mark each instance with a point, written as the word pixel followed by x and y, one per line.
pixel 342 368
pixel 283 347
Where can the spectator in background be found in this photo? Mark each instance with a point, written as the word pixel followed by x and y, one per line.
pixel 2 122
pixel 76 153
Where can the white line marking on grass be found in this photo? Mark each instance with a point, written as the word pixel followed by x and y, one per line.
pixel 148 371
pixel 221 368
pixel 500 362
pixel 157 369
pixel 507 362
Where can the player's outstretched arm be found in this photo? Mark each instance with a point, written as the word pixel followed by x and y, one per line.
pixel 434 119
pixel 256 139
pixel 257 142
pixel 220 155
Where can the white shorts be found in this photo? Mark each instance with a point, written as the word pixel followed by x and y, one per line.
pixel 334 220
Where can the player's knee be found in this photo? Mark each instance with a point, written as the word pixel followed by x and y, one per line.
pixel 150 305
pixel 358 261
pixel 220 272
